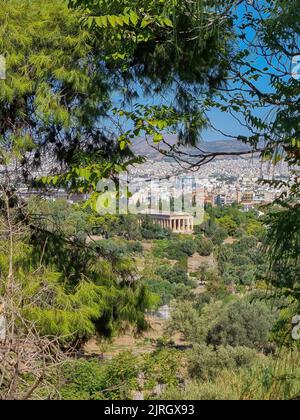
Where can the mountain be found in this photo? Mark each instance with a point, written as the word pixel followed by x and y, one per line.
pixel 146 148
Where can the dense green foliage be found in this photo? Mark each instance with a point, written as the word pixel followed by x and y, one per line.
pixel 205 363
pixel 120 378
pixel 73 288
pixel 169 282
pixel 266 379
pixel 242 262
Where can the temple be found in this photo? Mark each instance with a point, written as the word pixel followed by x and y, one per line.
pixel 178 222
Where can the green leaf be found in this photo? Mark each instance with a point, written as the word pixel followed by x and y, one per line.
pixel 112 20
pixel 133 18
pixel 126 19
pixel 101 21
pixel 122 144
pixel 168 22
pixel 145 22
pixel 157 138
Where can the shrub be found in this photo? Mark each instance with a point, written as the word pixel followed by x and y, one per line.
pixel 243 324
pixel 204 246
pixel 205 363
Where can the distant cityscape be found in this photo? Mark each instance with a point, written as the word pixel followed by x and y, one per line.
pixel 221 182
pixel 155 184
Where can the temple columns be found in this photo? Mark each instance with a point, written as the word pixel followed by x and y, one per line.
pixel 177 224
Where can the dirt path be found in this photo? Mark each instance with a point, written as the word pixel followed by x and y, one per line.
pixel 230 240
pixel 145 343
pixel 197 260
pixel 127 341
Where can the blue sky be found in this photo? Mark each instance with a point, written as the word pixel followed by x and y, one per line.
pixel 223 120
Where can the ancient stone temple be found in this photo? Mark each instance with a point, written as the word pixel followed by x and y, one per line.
pixel 178 222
